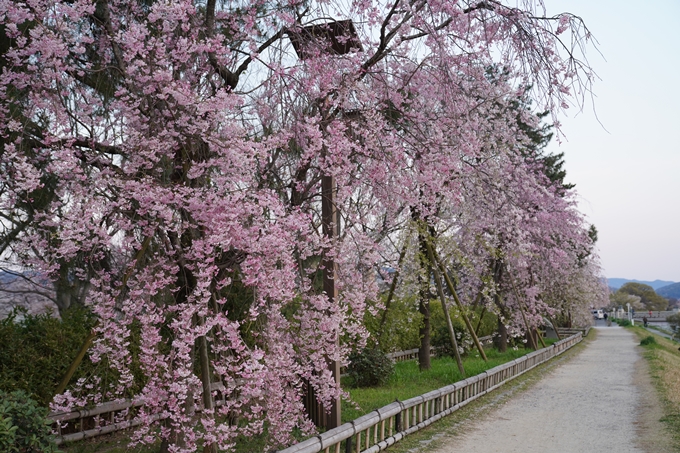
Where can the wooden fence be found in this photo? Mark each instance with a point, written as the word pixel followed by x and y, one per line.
pixel 412 354
pixel 383 427
pixel 108 417
pixel 569 331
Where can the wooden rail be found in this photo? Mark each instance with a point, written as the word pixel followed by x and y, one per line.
pixel 568 331
pixel 383 427
pixel 107 417
pixel 412 354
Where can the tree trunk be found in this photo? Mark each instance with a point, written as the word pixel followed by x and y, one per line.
pixel 424 362
pixel 204 361
pixel 424 332
pixel 331 231
pixel 501 340
pixel 479 323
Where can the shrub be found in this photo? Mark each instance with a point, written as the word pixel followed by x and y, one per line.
pixel 674 321
pixel 623 322
pixel 647 341
pixel 38 349
pixel 400 331
pixel 441 340
pixel 24 427
pixel 370 368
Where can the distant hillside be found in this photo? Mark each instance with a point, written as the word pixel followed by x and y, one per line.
pixel 617 283
pixel 16 291
pixel 672 291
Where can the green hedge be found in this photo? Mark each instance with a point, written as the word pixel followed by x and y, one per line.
pixel 37 350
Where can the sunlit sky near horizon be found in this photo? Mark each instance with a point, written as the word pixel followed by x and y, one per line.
pixel 626 170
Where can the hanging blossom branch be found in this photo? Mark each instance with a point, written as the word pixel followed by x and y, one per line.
pixel 124 140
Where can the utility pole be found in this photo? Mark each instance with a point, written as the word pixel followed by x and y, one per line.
pixel 331 230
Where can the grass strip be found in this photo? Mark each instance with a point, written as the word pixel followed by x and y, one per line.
pixel 663 357
pixel 408 381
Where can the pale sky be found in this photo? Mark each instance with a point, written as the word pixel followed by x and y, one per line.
pixel 627 176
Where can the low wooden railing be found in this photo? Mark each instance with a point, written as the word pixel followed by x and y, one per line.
pixel 412 354
pixel 106 418
pixel 568 331
pixel 383 427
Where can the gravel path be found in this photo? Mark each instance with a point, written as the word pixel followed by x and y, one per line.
pixel 602 400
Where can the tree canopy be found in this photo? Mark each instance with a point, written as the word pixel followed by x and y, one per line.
pixel 167 162
pixel 649 299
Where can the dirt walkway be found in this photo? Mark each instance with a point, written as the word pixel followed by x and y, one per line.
pixel 602 400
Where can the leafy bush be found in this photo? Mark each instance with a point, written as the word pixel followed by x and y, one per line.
pixel 441 340
pixel 674 321
pixel 37 350
pixel 400 331
pixel 623 322
pixel 647 341
pixel 370 368
pixel 24 427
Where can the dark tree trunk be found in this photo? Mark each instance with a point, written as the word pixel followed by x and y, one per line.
pixel 424 351
pixel 501 340
pixel 424 304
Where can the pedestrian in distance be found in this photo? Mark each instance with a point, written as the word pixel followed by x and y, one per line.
pixel 644 321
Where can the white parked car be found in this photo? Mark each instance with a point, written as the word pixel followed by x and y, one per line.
pixel 597 314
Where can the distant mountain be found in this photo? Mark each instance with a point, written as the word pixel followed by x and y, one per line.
pixel 18 292
pixel 617 283
pixel 670 291
pixel 6 277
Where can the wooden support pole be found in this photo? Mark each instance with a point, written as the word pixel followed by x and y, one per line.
pixel 76 362
pixel 540 338
pixel 393 287
pixel 451 288
pixel 530 336
pixel 554 324
pixel 449 325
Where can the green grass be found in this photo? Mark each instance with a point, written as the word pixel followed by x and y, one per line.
pixel 663 357
pixel 408 381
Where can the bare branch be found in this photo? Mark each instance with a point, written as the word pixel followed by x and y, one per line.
pixel 105 19
pixel 227 76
